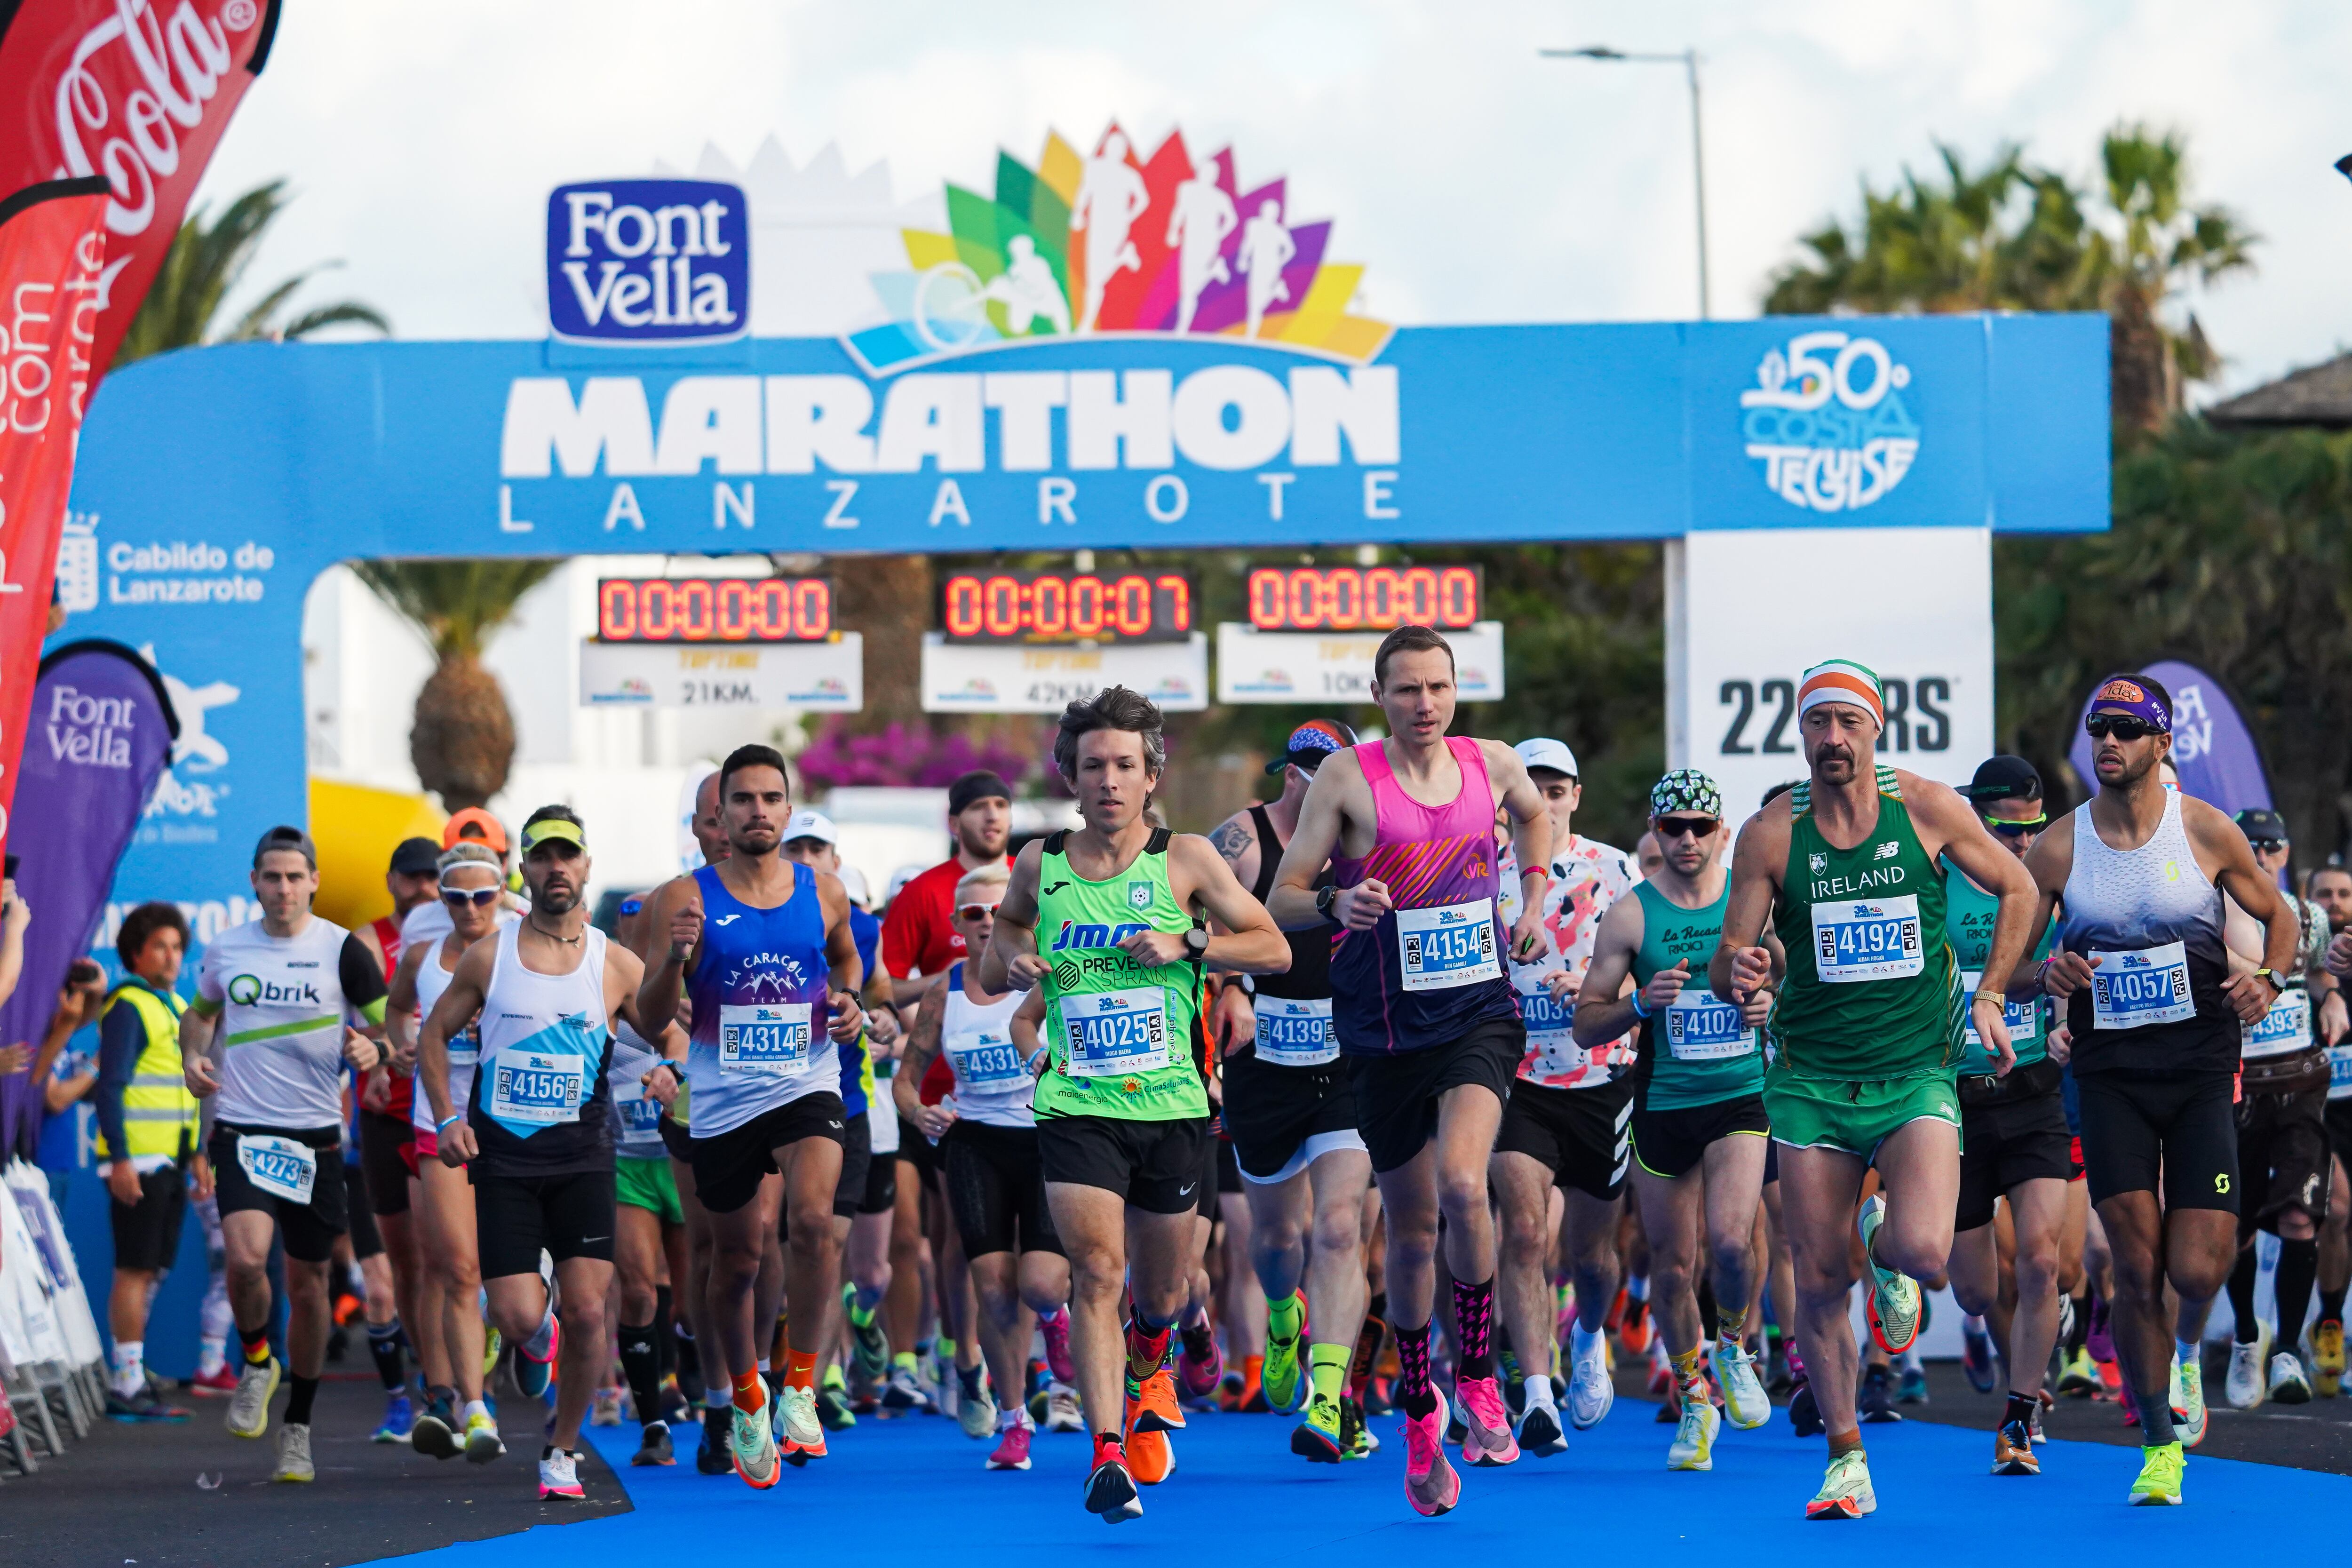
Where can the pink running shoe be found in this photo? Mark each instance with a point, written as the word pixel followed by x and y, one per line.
pixel 1487 1437
pixel 1012 1443
pixel 1200 1365
pixel 1430 1483
pixel 1058 1346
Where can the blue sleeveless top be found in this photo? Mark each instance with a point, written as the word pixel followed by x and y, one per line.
pixel 759 996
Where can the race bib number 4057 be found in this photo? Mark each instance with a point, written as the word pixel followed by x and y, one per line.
pixel 1451 945
pixel 2136 989
pixel 1112 1033
pixel 1867 939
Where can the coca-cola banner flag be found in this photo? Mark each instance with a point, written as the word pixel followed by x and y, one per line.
pixel 102 729
pixel 53 249
pixel 2214 752
pixel 137 93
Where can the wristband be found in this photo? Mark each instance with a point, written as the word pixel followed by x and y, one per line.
pixel 447 1122
pixel 2002 997
pixel 1639 1011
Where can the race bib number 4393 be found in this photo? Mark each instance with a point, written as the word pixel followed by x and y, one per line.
pixel 1451 945
pixel 1867 939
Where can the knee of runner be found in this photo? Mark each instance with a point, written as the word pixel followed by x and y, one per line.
pixel 1336 1234
pixel 1462 1192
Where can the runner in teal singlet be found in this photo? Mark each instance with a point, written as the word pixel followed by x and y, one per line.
pixel 1106 920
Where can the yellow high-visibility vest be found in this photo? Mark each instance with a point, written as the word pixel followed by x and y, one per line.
pixel 159 1115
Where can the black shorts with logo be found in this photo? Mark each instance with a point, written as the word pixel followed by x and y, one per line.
pixel 2283 1154
pixel 2008 1142
pixel 515 1216
pixel 1668 1143
pixel 1397 1096
pixel 996 1189
pixel 147 1232
pixel 309 1229
pixel 2174 1132
pixel 382 1137
pixel 730 1166
pixel 358 1212
pixel 1582 1136
pixel 1159 1167
pixel 1272 1110
pixel 857 1165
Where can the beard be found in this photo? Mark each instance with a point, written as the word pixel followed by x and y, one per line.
pixel 556 900
pixel 1834 765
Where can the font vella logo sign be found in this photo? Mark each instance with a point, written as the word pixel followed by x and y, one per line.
pixel 648 261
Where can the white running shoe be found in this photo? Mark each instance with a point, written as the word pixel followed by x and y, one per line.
pixel 1693 1445
pixel 2288 1383
pixel 294 1454
pixel 977 1417
pixel 1744 1399
pixel 1062 1410
pixel 1589 1391
pixel 248 1407
pixel 2243 1387
pixel 559 1476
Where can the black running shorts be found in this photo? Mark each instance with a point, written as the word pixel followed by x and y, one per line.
pixel 1668 1143
pixel 382 1137
pixel 1271 1112
pixel 2282 1158
pixel 857 1165
pixel 2005 1143
pixel 515 1216
pixel 147 1232
pixel 1155 1166
pixel 996 1189
pixel 730 1166
pixel 1582 1136
pixel 1397 1096
pixel 2174 1128
pixel 309 1229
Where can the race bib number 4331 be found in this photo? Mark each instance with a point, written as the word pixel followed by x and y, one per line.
pixel 1451 945
pixel 1867 939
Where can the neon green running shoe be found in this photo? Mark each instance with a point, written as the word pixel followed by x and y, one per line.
pixel 2160 1478
pixel 1893 1308
pixel 1845 1490
pixel 492 1343
pixel 1317 1438
pixel 1283 1379
pixel 2187 1401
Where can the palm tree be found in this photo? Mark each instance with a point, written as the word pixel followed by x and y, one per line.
pixel 462 741
pixel 2011 237
pixel 205 262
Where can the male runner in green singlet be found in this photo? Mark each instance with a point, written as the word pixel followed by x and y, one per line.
pixel 1106 920
pixel 1866 1028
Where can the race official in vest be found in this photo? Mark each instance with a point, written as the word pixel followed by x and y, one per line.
pixel 148 1140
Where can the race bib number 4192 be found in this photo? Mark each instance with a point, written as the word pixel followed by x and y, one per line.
pixel 1867 939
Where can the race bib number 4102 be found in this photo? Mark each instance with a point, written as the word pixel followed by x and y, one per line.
pixel 1867 939
pixel 1451 945
pixel 1702 1027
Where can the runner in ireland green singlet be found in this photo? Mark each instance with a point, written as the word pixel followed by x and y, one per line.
pixel 1107 924
pixel 1866 1028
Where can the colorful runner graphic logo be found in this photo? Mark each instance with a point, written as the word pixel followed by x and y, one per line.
pixel 1111 244
pixel 1828 422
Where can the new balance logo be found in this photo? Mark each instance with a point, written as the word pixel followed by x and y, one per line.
pixel 1886 851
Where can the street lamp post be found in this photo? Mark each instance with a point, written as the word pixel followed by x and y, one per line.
pixel 1688 60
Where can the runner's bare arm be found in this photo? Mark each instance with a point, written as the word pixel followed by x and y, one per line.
pixel 400 1019
pixel 1742 964
pixel 1613 946
pixel 2221 842
pixel 922 1045
pixel 1530 842
pixel 1949 825
pixel 196 1047
pixel 1201 878
pixel 1011 962
pixel 625 972
pixel 1322 820
pixel 667 920
pixel 1029 1031
pixel 847 970
pixel 1236 840
pixel 461 1000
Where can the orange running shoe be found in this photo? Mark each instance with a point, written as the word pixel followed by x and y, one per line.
pixel 1251 1401
pixel 1152 1407
pixel 1633 1330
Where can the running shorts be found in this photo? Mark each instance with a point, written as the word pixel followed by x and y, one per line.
pixel 2176 1128
pixel 996 1189
pixel 646 1184
pixel 2282 1158
pixel 1272 1112
pixel 857 1162
pixel 388 1156
pixel 515 1216
pixel 2007 1142
pixel 1668 1143
pixel 367 1241
pixel 1214 1152
pixel 309 1229
pixel 881 1193
pixel 1155 1166
pixel 2339 1121
pixel 920 1152
pixel 1397 1096
pixel 1581 1136
pixel 1851 1115
pixel 147 1232
pixel 730 1166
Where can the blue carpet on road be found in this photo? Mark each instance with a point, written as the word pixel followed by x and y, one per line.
pixel 904 1490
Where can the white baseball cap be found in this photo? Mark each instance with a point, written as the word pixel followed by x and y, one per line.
pixel 813 825
pixel 1545 752
pixel 853 882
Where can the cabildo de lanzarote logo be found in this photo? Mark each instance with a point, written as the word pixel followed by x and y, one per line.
pixel 1827 419
pixel 1112 244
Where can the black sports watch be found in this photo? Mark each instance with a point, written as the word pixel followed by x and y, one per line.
pixel 1324 899
pixel 2278 987
pixel 1196 944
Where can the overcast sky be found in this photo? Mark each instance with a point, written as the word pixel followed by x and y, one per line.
pixel 1476 182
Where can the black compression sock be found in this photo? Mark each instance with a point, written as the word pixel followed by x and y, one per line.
pixel 2155 1417
pixel 2331 1305
pixel 665 1342
pixel 685 1357
pixel 641 1364
pixel 2245 1331
pixel 388 1346
pixel 2081 1331
pixel 2021 1408
pixel 2298 1264
pixel 297 1404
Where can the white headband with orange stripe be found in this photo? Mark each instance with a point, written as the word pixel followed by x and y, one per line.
pixel 1843 680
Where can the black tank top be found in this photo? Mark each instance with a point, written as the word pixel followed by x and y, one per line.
pixel 1310 976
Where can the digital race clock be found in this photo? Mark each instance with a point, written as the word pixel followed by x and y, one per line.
pixel 1065 607
pixel 1367 599
pixel 714 609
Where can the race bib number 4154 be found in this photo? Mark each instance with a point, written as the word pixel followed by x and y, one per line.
pixel 1451 945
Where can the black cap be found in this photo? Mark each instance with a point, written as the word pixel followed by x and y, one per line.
pixel 416 857
pixel 2261 822
pixel 285 838
pixel 982 783
pixel 2004 778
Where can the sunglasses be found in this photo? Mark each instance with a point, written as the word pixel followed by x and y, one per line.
pixel 2008 829
pixel 2269 845
pixel 975 911
pixel 2122 726
pixel 1693 827
pixel 458 897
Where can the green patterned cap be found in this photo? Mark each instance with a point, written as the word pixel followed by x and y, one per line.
pixel 1687 789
